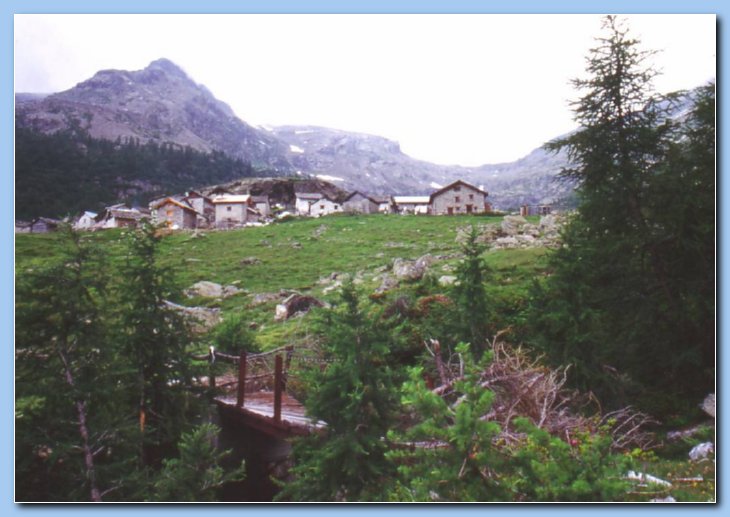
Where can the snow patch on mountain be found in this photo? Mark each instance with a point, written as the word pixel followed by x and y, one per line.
pixel 327 177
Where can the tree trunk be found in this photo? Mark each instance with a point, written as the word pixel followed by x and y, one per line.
pixel 84 432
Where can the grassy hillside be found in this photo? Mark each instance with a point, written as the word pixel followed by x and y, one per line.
pixel 298 253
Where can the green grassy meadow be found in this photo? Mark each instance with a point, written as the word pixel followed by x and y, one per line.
pixel 298 253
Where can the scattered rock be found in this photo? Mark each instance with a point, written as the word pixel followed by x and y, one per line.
pixel 673 436
pixel 668 499
pixel 211 290
pixel 333 287
pixel 530 230
pixel 708 405
pixel 549 224
pixel 527 235
pixel 250 261
pixel 320 230
pixel 412 270
pixel 193 260
pixel 296 245
pixel 512 224
pixel 265 242
pixel 701 451
pixel 387 283
pixel 201 318
pixel 425 261
pixel 506 242
pixel 647 478
pixel 525 238
pixel 281 313
pixel 262 298
pixel 447 280
pixel 296 304
pixel 406 269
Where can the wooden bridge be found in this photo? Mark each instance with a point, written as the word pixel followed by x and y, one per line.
pixel 259 400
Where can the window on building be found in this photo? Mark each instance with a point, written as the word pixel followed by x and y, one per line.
pixel 471 196
pixel 457 199
pixel 229 208
pixel 457 188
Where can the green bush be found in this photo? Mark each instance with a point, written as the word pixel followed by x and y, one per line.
pixel 549 469
pixel 233 335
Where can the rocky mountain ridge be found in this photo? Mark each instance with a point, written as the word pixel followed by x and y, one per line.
pixel 161 103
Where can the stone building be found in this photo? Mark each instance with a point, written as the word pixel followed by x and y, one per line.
pixel 175 214
pixel 203 205
pixel 458 198
pixel 233 210
pixel 360 203
pixel 325 205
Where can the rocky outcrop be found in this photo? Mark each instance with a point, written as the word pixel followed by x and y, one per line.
pixel 262 298
pixel 387 282
pixel 701 451
pixel 513 224
pixel 708 405
pixel 517 232
pixel 447 280
pixel 296 304
pixel 411 270
pixel 201 319
pixel 207 289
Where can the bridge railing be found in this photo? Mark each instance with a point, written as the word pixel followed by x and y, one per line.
pixel 268 370
pixel 255 372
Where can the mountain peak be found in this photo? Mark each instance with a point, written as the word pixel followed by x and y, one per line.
pixel 166 65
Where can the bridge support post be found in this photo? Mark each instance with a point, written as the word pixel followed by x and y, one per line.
pixel 278 385
pixel 241 379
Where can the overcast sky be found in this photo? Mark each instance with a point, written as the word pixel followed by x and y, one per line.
pixel 452 89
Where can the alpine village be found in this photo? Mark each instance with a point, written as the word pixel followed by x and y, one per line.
pixel 208 311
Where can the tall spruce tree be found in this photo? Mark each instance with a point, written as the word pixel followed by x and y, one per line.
pixel 471 296
pixel 64 369
pixel 611 307
pixel 155 341
pixel 354 395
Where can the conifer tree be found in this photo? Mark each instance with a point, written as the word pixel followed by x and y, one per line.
pixel 155 341
pixel 471 296
pixel 454 458
pixel 611 307
pixel 197 474
pixel 63 370
pixel 354 395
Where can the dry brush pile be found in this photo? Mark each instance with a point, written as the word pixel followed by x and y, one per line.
pixel 523 387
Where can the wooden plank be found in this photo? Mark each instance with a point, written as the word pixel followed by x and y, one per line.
pixel 260 404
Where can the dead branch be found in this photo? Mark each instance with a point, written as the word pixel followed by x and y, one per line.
pixel 524 387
